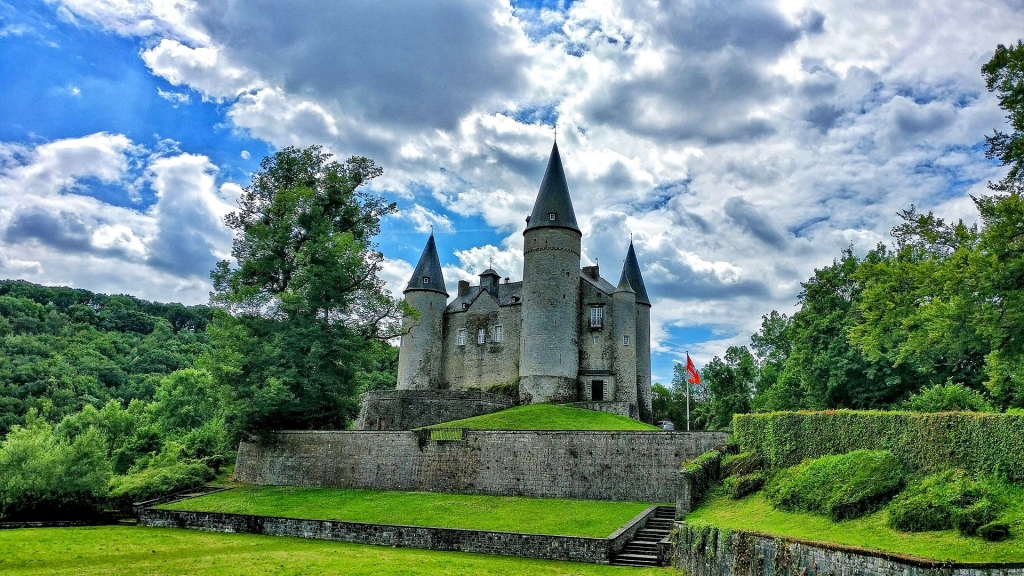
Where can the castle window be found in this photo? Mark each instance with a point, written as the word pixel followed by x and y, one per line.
pixel 462 336
pixel 426 279
pixel 498 336
pixel 515 299
pixel 625 340
pixel 597 339
pixel 481 336
pixel 552 216
pixel 596 316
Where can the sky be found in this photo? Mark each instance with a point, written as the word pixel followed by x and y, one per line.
pixel 741 144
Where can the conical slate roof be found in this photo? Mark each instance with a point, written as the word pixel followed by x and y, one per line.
pixel 429 268
pixel 553 198
pixel 632 271
pixel 624 285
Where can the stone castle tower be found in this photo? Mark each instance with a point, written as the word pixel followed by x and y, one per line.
pixel 561 335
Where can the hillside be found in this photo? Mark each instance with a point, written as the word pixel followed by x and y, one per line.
pixel 547 417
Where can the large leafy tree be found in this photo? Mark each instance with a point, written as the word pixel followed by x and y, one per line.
pixel 303 310
pixel 1004 75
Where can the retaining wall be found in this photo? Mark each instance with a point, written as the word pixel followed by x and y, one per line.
pixel 636 466
pixel 408 409
pixel 544 546
pixel 706 551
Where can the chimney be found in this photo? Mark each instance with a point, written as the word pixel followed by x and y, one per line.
pixel 463 287
pixel 592 272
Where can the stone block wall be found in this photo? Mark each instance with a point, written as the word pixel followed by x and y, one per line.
pixel 626 466
pixel 626 409
pixel 408 409
pixel 706 551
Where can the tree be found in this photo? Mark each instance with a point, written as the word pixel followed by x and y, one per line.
pixel 1004 75
pixel 729 386
pixel 300 311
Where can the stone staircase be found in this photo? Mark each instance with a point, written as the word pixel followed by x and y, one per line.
pixel 642 550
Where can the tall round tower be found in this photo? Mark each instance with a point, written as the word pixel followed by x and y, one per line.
pixel 419 356
pixel 624 332
pixel 549 350
pixel 643 335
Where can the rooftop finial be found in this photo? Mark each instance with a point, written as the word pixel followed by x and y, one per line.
pixel 556 133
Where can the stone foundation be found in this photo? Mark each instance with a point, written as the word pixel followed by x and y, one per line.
pixel 706 551
pixel 409 409
pixel 635 466
pixel 627 409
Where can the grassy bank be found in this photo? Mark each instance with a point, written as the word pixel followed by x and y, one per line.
pixel 754 513
pixel 163 551
pixel 505 513
pixel 548 417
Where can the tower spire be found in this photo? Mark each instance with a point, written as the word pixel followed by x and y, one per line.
pixel 631 270
pixel 427 275
pixel 553 206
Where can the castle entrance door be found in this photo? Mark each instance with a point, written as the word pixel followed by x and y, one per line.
pixel 597 390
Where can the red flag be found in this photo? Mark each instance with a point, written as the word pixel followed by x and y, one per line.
pixel 692 376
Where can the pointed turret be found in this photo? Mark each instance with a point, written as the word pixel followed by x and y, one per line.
pixel 553 206
pixel 636 280
pixel 624 285
pixel 427 275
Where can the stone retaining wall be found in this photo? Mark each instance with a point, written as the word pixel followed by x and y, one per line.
pixel 706 551
pixel 408 409
pixel 544 546
pixel 637 466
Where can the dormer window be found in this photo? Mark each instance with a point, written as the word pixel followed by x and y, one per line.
pixel 426 279
pixel 515 299
pixel 465 305
pixel 552 216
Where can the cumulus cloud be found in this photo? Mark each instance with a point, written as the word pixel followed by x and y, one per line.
pixel 743 144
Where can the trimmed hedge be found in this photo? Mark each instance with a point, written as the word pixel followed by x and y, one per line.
pixel 950 499
pixel 845 486
pixel 922 443
pixel 699 475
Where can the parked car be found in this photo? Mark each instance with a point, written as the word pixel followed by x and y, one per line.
pixel 666 425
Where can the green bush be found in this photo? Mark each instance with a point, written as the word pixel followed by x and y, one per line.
pixel 845 486
pixel 995 531
pixel 949 499
pixel 741 464
pixel 746 485
pixel 46 476
pixel 164 474
pixel 922 443
pixel 948 397
pixel 968 520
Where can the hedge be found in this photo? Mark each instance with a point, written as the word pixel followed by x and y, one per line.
pixel 922 443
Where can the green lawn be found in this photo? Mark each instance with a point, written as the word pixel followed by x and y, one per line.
pixel 167 551
pixel 756 514
pixel 548 417
pixel 505 513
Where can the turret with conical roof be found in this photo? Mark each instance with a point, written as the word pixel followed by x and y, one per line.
pixel 631 270
pixel 624 342
pixel 419 355
pixel 549 350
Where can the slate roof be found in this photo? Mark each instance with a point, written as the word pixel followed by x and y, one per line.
pixel 624 285
pixel 632 271
pixel 602 284
pixel 505 294
pixel 428 267
pixel 553 198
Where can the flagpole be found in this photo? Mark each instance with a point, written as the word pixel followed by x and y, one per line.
pixel 687 392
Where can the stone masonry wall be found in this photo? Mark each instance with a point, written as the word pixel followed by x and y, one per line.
pixel 626 466
pixel 705 551
pixel 577 549
pixel 408 409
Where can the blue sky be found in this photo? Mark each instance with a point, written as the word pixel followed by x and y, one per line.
pixel 742 145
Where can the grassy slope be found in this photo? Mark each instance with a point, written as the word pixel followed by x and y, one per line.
pixel 163 551
pixel 548 417
pixel 755 513
pixel 505 513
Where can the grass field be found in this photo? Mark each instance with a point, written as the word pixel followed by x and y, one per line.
pixel 756 514
pixel 548 417
pixel 166 551
pixel 506 513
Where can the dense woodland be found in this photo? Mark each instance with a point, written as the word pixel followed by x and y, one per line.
pixel 932 321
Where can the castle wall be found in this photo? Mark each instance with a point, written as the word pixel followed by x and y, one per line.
pixel 419 357
pixel 549 361
pixel 643 362
pixel 408 409
pixel 593 465
pixel 596 347
pixel 481 365
pixel 625 364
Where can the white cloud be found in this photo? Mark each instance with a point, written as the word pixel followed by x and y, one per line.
pixel 426 220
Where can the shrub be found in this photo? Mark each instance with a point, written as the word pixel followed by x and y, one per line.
pixel 845 486
pixel 164 474
pixel 747 484
pixel 995 531
pixel 922 443
pixel 949 499
pixel 701 473
pixel 948 397
pixel 741 464
pixel 46 476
